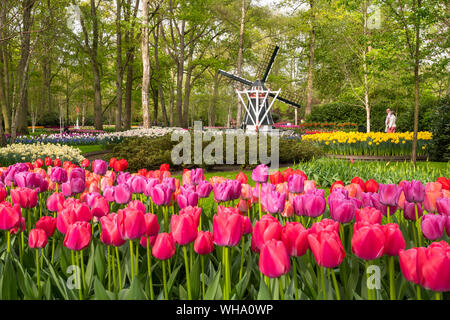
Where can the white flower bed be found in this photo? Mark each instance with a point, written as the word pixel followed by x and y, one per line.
pixel 151 133
pixel 19 152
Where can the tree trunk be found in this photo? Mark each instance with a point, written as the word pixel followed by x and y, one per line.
pixel 416 79
pixel 159 75
pixel 366 83
pixel 22 71
pixel 155 95
pixel 171 99
pixel 187 91
pixel 312 40
pixel 128 92
pixel 212 106
pixel 239 62
pixel 145 67
pixel 180 75
pixel 118 117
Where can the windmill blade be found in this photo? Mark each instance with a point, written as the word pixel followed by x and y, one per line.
pixel 236 78
pixel 288 97
pixel 266 64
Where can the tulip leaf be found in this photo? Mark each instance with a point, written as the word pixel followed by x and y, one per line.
pixel 8 280
pixel 100 292
pixel 100 264
pixel 135 291
pixel 48 290
pixel 182 292
pixel 90 268
pixel 59 282
pixel 263 293
pixel 195 275
pixel 172 278
pixel 212 287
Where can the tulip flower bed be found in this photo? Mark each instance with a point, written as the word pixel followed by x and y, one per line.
pixel 371 144
pixel 87 232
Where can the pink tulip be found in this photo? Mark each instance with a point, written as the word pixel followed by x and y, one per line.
pixel 78 236
pixel 194 213
pixel 295 238
pixel 260 173
pixel 48 224
pixel 136 204
pixel 368 214
pixel 433 226
pixel 110 233
pixel 414 191
pixel 183 229
pixel 327 248
pixel 164 247
pixel 26 198
pixel 227 228
pixel 394 241
pixel 266 229
pixel 327 225
pixel 274 259
pixel 131 223
pixel 9 216
pixel 55 201
pixel 389 194
pixel 151 225
pixel 314 204
pixel 204 243
pixel 443 206
pixel 37 239
pixel 368 240
pixel 100 207
pixel 342 211
pixel 122 194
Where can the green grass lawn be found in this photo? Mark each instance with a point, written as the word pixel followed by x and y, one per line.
pixel 90 148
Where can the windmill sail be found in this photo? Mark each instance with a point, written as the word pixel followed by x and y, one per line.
pixel 266 63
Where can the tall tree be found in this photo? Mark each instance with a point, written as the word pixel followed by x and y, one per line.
pixel 119 81
pixel 312 47
pixel 145 66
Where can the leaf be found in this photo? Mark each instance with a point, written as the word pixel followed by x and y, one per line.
pixel 57 280
pixel 212 288
pixel 90 268
pixel 9 284
pixel 263 293
pixel 182 292
pixel 135 291
pixel 172 277
pixel 195 276
pixel 99 290
pixel 100 264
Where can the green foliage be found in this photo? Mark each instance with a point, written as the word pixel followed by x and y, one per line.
pixel 150 153
pixel 337 112
pixel 440 126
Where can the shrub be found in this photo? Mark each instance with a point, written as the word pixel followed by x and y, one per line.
pixel 440 126
pixel 150 152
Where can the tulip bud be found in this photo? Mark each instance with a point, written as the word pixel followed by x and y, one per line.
pixel 204 243
pixel 37 239
pixel 274 259
pixel 164 247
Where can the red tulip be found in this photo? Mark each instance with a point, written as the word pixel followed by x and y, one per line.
pixel 241 177
pixel 434 266
pixel 9 216
pixel 78 236
pixel 286 173
pixel 295 238
pixel 204 243
pixel 371 186
pixel 183 229
pixel 368 241
pixel 394 241
pixel 444 182
pixel 248 228
pixel 25 197
pixel 38 163
pixel 110 233
pixel 57 163
pixel 164 247
pixel 85 163
pixel 337 184
pixel 276 177
pixel 266 229
pixel 131 223
pixel 327 248
pixel 48 161
pixel 368 214
pixel 227 228
pixel 164 167
pixel 37 239
pixel 151 241
pixel 274 259
pixel 360 182
pixel 112 162
pixel 48 224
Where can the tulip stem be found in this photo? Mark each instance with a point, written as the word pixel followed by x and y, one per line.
pixel 322 274
pixel 369 293
pixel 9 241
pixel 113 271
pixel 118 268
pixel 137 258
pixel 149 269
pixel 438 296
pixel 21 246
pixel 336 287
pixel 388 215
pixel 53 248
pixel 280 283
pixel 260 214
pixel 77 274
pixel 188 279
pixel 83 280
pixel 241 269
pixel 419 231
pixel 109 269
pixel 166 294
pixel 37 269
pixel 202 259
pixel 191 255
pixel 418 292
pixel 131 260
pixel 166 218
pixel 391 278
pixel 294 275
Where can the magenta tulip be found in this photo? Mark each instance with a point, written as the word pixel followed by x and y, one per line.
pixel 204 243
pixel 295 238
pixel 37 239
pixel 274 259
pixel 164 247
pixel 368 240
pixel 432 226
pixel 78 236
pixel 131 223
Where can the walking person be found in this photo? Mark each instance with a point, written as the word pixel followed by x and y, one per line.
pixel 386 122
pixel 392 125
